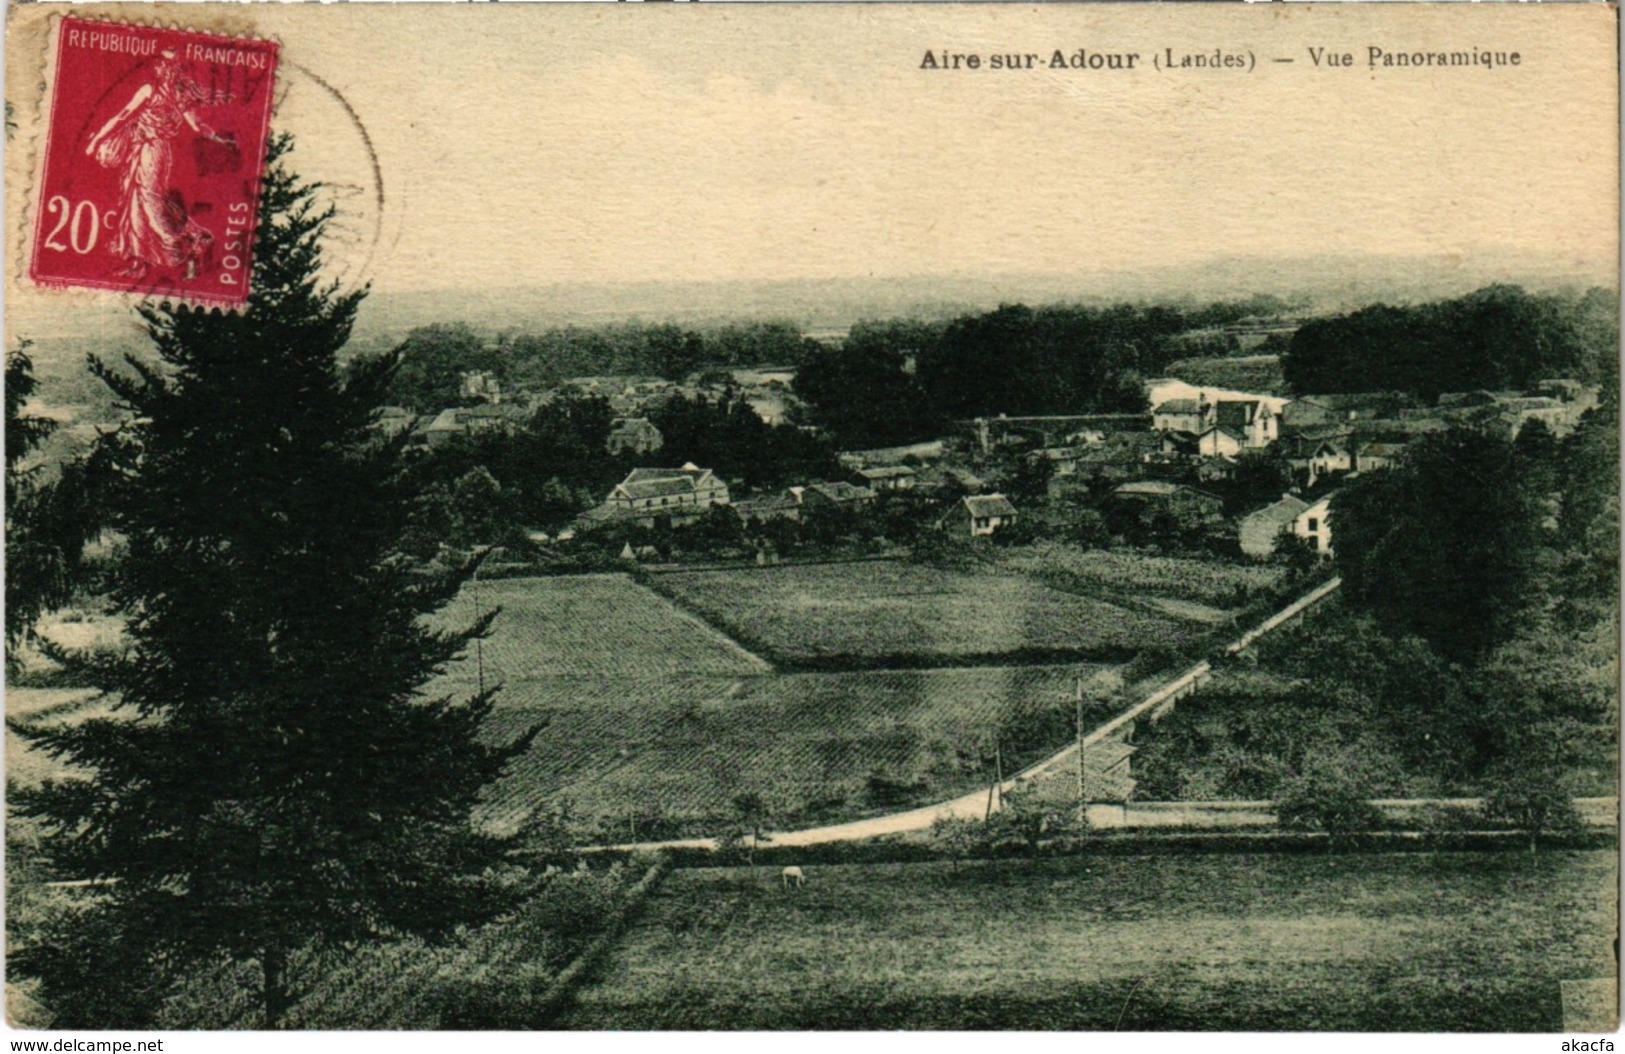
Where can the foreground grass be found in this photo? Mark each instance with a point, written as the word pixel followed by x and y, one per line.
pixel 1454 942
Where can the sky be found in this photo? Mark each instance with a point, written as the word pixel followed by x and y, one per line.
pixel 477 146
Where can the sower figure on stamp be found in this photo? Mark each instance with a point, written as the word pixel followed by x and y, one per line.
pixel 154 226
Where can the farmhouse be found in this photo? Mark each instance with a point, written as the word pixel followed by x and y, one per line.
pixel 1261 531
pixel 1187 416
pixel 1063 461
pixel 980 514
pixel 1516 413
pixel 1161 390
pixel 941 477
pixel 633 435
pixel 653 490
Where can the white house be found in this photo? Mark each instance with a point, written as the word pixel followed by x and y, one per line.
pixel 1261 530
pixel 981 514
pixel 1314 525
pixel 1252 422
pixel 649 491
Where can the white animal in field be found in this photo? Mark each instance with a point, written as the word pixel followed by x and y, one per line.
pixel 793 874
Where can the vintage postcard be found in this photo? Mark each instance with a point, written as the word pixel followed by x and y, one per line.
pixel 685 517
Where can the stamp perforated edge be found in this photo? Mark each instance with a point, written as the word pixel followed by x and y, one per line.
pixel 37 142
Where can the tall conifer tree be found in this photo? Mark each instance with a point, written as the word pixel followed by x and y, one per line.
pixel 274 781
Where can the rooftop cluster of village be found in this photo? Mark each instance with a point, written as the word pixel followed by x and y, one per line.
pixel 1247 474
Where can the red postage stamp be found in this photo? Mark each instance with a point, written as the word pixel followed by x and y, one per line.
pixel 152 161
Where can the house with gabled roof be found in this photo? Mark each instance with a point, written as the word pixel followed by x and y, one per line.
pixel 880 478
pixel 1253 423
pixel 1261 531
pixel 1377 454
pixel 1181 415
pixel 472 420
pixel 771 507
pixel 1314 457
pixel 1250 420
pixel 979 515
pixel 651 491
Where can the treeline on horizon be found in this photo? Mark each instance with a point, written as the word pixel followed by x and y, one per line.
pixel 434 357
pixel 891 380
pixel 902 380
pixel 1497 338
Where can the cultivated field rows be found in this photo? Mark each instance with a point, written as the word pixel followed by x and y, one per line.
pixel 1362 942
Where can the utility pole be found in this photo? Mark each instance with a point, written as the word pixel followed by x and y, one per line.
pixel 998 769
pixel 987 814
pixel 1083 777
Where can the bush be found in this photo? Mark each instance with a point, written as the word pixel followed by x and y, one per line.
pixel 1535 802
pixel 1328 797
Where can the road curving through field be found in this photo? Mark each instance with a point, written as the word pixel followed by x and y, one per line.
pixel 974 805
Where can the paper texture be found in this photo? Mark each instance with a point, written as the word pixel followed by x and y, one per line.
pixel 1075 517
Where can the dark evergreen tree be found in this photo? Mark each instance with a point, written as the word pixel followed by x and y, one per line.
pixel 47 520
pixel 28 570
pixel 275 781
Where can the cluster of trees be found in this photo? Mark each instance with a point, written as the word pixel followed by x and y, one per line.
pixel 1471 653
pixel 899 381
pixel 488 488
pixel 1500 337
pixel 434 358
pixel 274 785
pixel 728 436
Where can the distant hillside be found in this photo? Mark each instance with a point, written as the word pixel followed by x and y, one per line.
pixel 1324 284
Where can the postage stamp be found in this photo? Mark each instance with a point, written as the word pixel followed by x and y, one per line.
pixel 151 166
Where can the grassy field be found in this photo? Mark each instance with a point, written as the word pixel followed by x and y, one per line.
pixel 593 625
pixel 892 613
pixel 648 758
pixel 652 722
pixel 1468 942
pixel 1205 585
